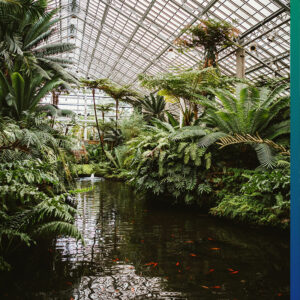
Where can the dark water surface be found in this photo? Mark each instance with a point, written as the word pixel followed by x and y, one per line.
pixel 134 250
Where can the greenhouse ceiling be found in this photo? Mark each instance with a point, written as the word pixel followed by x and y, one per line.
pixel 120 39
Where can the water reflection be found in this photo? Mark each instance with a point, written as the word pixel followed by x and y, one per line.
pixel 133 251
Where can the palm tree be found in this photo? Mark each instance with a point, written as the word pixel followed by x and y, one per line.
pixel 250 111
pixel 25 27
pixel 185 84
pixel 118 93
pixel 211 35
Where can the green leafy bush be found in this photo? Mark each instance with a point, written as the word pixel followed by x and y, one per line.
pixel 264 198
pixel 34 175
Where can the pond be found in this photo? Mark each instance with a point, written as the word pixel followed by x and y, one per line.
pixel 137 249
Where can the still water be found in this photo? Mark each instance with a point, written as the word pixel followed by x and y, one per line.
pixel 137 250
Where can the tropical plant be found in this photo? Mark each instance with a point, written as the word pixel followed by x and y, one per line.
pixel 34 138
pixel 29 66
pixel 26 26
pixel 132 126
pixel 23 93
pixel 211 35
pixel 93 85
pixel 29 213
pixel 243 139
pixel 34 172
pixel 118 93
pixel 185 85
pixel 163 165
pixel 54 111
pixel 263 197
pixel 250 111
pixel 114 137
pixel 153 107
pixel 118 157
pixel 104 108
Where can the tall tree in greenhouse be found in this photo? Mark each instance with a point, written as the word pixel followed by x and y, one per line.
pixel 186 84
pixel 93 85
pixel 211 36
pixel 119 93
pixel 104 108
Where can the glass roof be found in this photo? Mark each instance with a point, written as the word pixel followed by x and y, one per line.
pixel 119 39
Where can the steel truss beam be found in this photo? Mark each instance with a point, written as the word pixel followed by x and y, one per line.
pixel 204 11
pixel 280 3
pixel 257 26
pixel 133 33
pixel 149 30
pixel 98 36
pixel 257 37
pixel 263 63
pixel 123 44
pixel 269 61
pixel 140 19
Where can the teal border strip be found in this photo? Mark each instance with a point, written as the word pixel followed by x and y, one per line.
pixel 295 149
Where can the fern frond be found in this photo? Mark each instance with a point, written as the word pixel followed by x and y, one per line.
pixel 187 133
pixel 57 228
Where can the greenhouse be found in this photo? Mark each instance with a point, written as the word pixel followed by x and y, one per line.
pixel 144 149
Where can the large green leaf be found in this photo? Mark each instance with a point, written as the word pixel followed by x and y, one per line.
pixel 49 86
pixel 18 85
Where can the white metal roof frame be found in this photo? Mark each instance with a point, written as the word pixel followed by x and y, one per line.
pixel 119 39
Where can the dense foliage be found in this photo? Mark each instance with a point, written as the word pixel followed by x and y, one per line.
pixel 228 152
pixel 35 170
pixel 35 158
pixel 263 197
pixel 226 161
pixel 29 66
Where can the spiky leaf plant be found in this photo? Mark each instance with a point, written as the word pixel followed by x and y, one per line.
pixel 250 111
pixel 153 107
pixel 25 28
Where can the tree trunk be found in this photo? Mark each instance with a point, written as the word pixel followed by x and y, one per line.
pixel 117 109
pixel 97 124
pixel 195 111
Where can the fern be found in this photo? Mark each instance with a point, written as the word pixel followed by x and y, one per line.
pixel 188 132
pixel 57 228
